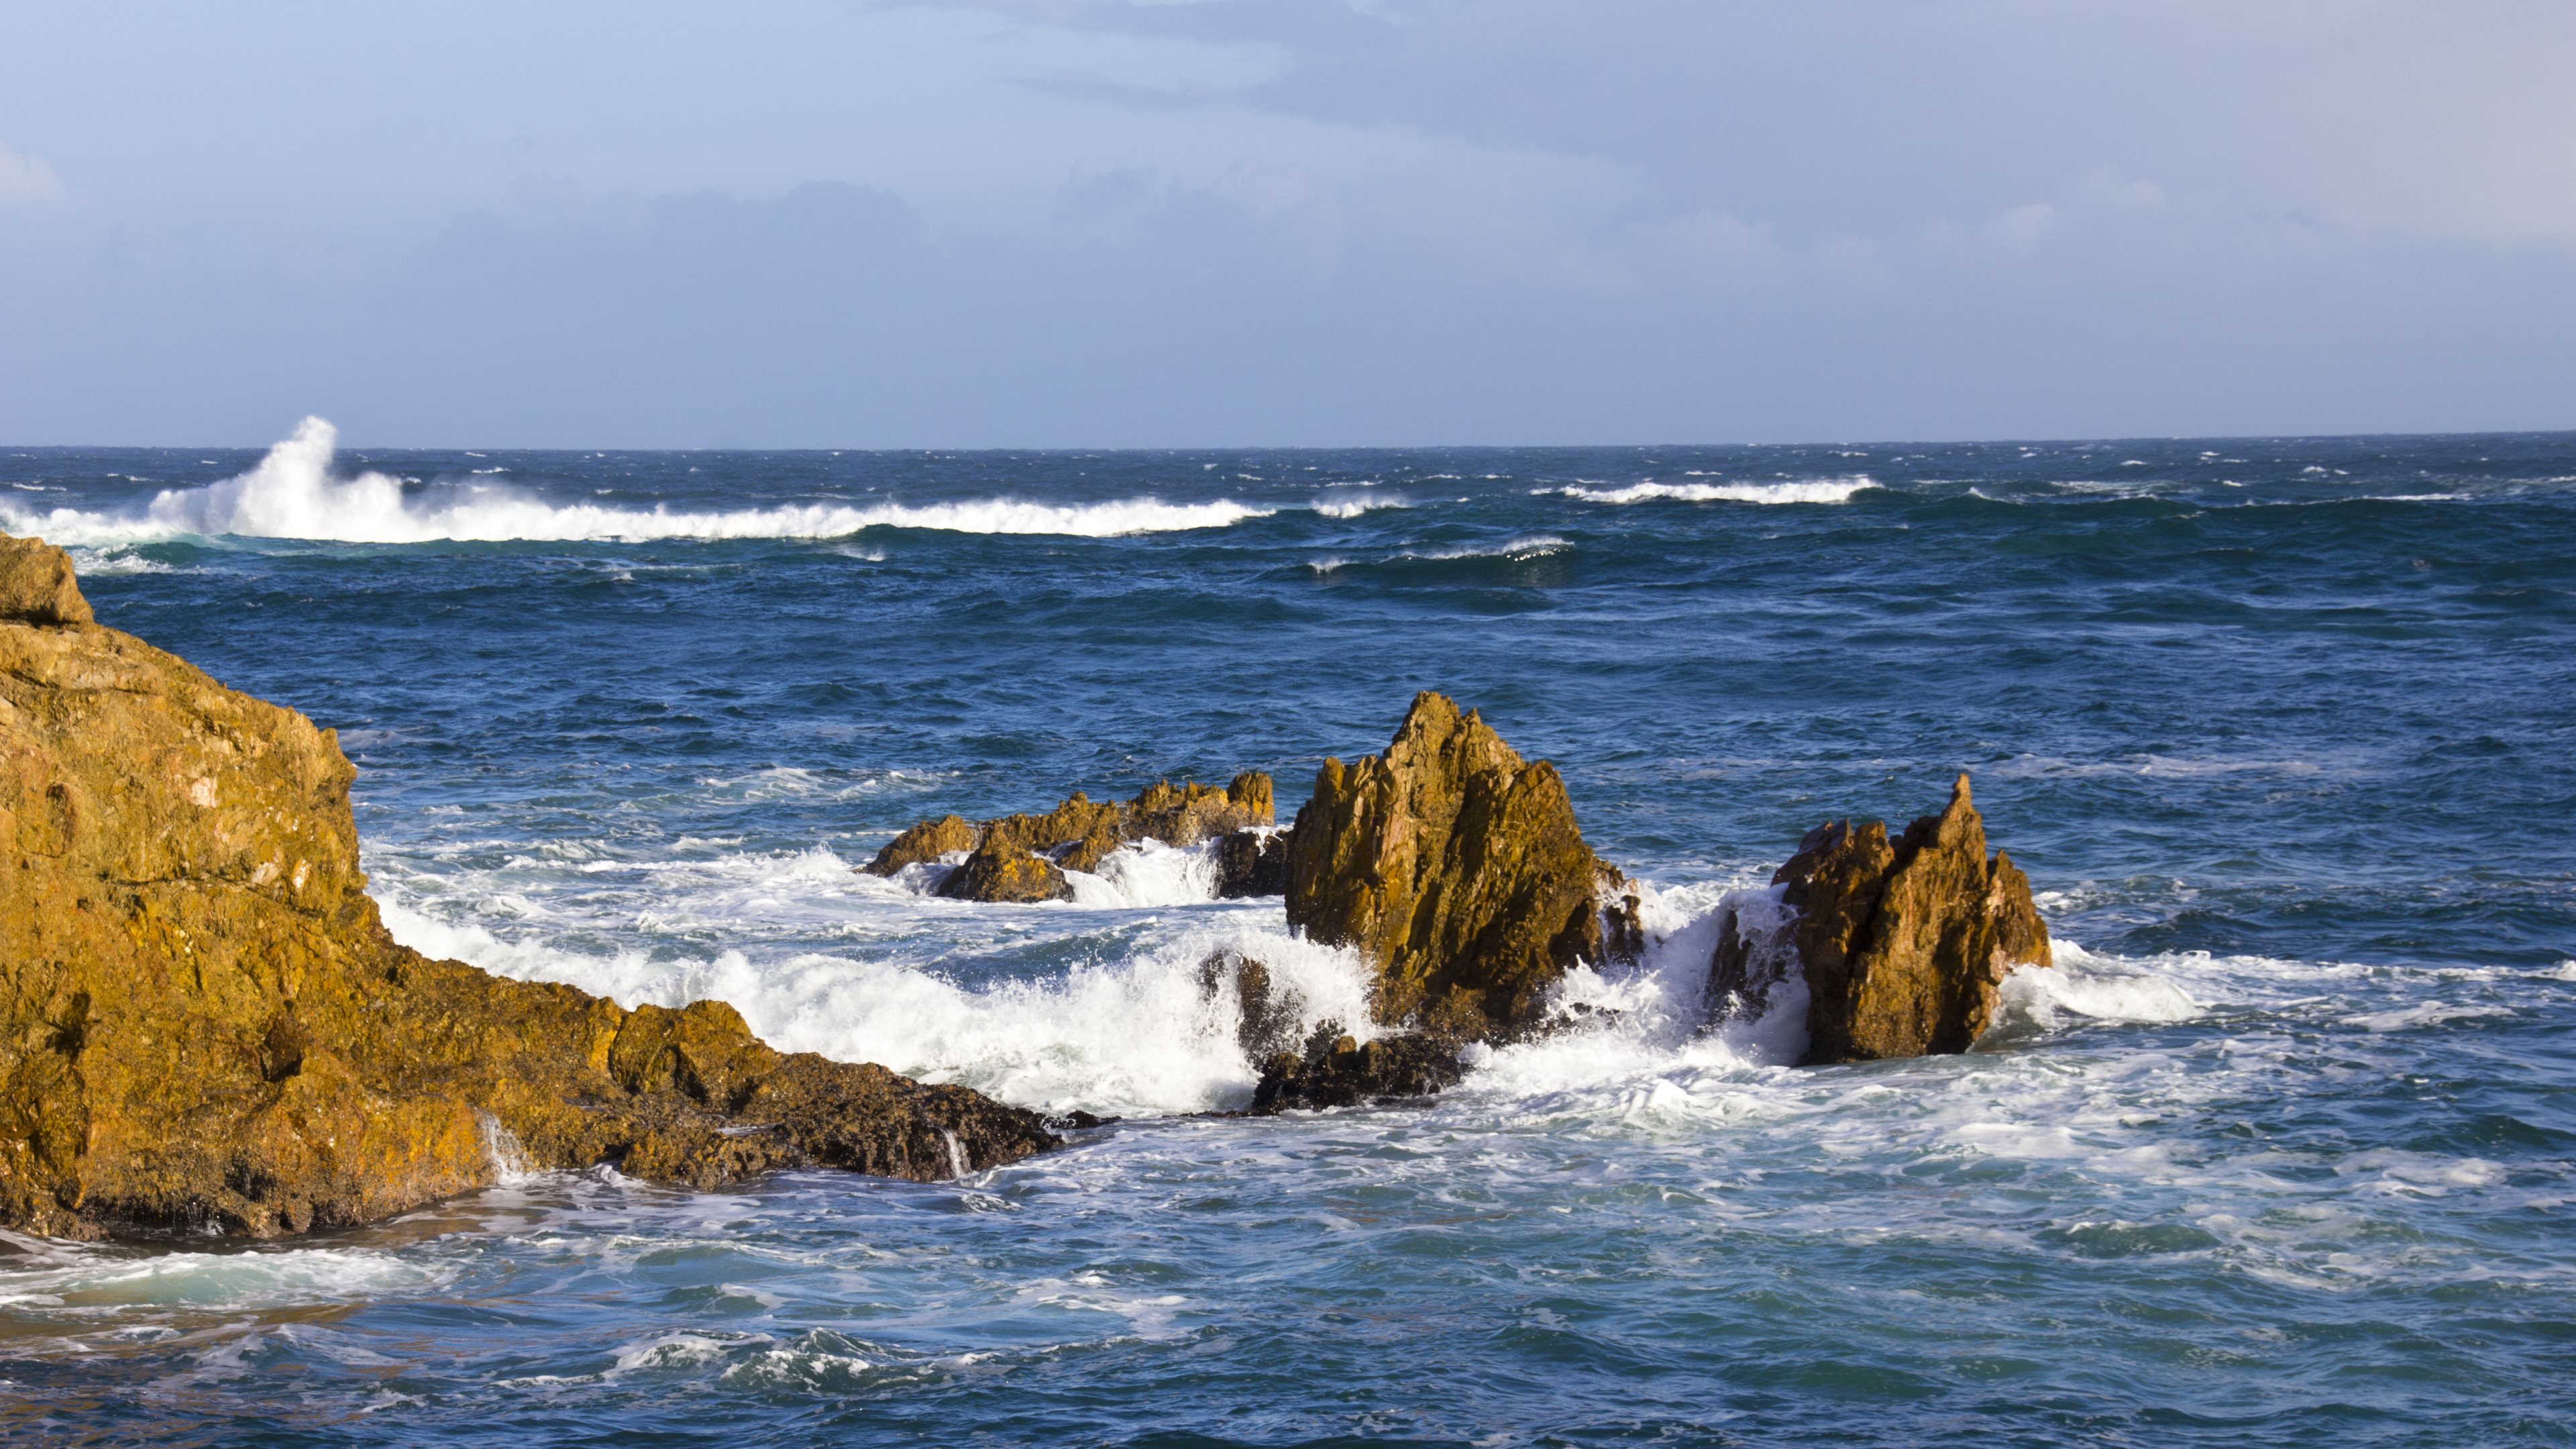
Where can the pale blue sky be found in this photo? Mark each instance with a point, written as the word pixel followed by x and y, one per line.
pixel 1098 223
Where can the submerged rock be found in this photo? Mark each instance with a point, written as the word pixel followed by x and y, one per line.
pixel 204 1025
pixel 1337 1070
pixel 1075 835
pixel 1902 945
pixel 1457 870
pixel 1265 1013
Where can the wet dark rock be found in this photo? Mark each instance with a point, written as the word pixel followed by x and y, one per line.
pixel 1336 1070
pixel 1265 1013
pixel 1457 870
pixel 1252 863
pixel 1903 945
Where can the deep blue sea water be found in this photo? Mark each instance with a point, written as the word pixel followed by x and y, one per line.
pixel 2282 1151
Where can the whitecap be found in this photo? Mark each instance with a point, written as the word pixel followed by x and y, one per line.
pixel 1530 546
pixel 1804 490
pixel 1351 503
pixel 292 494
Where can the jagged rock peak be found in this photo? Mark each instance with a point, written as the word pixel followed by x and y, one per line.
pixel 1077 834
pixel 1455 867
pixel 1904 943
pixel 204 1025
pixel 37 585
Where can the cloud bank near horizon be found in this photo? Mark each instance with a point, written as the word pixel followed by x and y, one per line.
pixel 1092 222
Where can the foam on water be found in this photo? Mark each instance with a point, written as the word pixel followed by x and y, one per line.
pixel 1527 546
pixel 1805 490
pixel 1352 502
pixel 104 1282
pixel 293 494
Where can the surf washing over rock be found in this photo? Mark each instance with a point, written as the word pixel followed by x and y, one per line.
pixel 211 1026
pixel 1456 870
pixel 206 1026
pixel 2276 1150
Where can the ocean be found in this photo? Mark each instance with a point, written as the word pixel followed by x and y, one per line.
pixel 2281 1151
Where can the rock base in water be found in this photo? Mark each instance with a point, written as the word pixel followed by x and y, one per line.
pixel 1079 833
pixel 203 1024
pixel 1903 945
pixel 1336 1070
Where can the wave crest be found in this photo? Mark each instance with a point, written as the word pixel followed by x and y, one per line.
pixel 292 494
pixel 1802 490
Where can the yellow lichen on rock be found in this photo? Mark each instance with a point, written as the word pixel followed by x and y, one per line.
pixel 203 1022
pixel 1455 867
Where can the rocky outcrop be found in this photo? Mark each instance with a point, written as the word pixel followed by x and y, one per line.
pixel 36 583
pixel 1001 869
pixel 925 843
pixel 204 1025
pixel 1456 868
pixel 1075 835
pixel 1903 945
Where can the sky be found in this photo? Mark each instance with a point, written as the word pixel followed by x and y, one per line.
pixel 1189 223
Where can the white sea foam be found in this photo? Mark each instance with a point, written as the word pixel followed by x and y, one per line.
pixel 1134 1032
pixel 112 1280
pixel 1802 490
pixel 2426 1013
pixel 1528 546
pixel 293 493
pixel 1351 503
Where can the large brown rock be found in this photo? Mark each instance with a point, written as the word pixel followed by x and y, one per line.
pixel 1904 944
pixel 1001 869
pixel 204 1024
pixel 36 583
pixel 1075 835
pixel 1455 867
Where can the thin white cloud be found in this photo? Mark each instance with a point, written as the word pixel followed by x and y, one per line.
pixel 27 181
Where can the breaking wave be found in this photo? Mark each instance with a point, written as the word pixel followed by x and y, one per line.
pixel 1804 490
pixel 293 494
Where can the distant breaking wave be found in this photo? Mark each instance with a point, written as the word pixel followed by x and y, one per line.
pixel 1804 490
pixel 292 494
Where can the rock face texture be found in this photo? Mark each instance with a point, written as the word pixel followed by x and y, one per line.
pixel 36 583
pixel 1001 869
pixel 1457 870
pixel 204 1024
pixel 1074 836
pixel 1903 944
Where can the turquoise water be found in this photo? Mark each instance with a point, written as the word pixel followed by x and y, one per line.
pixel 2279 1152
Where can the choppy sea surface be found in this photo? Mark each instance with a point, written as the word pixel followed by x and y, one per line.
pixel 2281 1151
